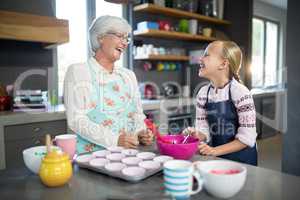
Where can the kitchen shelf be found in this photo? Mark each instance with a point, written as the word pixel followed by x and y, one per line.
pixel 172 35
pixel 33 28
pixel 151 8
pixel 165 58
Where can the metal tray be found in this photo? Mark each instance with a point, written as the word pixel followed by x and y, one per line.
pixel 119 174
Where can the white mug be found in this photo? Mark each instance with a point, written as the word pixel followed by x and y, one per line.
pixel 178 179
pixel 193 26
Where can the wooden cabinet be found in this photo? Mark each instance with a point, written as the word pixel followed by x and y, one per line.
pixel 19 137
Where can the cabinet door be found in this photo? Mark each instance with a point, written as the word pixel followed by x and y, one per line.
pixel 20 137
pixel 268 110
pixel 258 109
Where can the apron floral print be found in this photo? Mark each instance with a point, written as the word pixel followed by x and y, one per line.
pixel 113 107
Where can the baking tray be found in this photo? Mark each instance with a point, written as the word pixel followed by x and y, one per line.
pixel 119 174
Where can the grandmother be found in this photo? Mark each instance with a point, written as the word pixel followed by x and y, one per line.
pixel 102 100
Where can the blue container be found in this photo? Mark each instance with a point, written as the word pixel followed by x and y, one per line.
pixel 147 25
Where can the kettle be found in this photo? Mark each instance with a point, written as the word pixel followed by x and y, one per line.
pixel 56 168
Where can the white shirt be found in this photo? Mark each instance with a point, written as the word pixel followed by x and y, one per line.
pixel 78 90
pixel 244 104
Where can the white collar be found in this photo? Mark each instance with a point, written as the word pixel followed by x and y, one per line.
pixel 95 65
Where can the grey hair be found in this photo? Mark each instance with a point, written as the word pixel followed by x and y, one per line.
pixel 105 24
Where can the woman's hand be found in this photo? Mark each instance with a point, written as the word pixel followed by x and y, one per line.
pixel 192 131
pixel 207 150
pixel 128 141
pixel 145 137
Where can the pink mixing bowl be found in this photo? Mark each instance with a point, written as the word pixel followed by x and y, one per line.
pixel 172 145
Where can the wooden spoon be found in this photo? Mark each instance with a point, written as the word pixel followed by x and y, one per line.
pixel 48 143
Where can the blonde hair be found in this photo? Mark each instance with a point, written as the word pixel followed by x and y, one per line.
pixel 232 52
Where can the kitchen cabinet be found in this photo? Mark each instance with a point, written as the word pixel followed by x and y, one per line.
pixel 22 136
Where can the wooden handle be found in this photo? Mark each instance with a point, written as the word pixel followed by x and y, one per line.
pixel 48 143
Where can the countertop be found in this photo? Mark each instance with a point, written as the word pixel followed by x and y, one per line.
pixel 267 92
pixel 21 184
pixel 58 112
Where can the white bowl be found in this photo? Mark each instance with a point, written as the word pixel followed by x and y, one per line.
pixel 33 157
pixel 222 185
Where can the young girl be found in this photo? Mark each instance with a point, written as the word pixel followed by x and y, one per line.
pixel 225 113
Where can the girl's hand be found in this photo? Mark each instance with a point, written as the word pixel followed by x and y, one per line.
pixel 192 131
pixel 146 137
pixel 207 150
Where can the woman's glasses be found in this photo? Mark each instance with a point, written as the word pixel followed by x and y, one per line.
pixel 123 37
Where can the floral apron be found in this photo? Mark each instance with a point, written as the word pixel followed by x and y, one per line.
pixel 115 109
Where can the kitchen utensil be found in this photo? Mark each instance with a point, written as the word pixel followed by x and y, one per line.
pixel 185 139
pixel 217 184
pixel 178 150
pixel 56 169
pixel 127 169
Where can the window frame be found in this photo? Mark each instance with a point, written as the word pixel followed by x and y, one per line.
pixel 90 16
pixel 265 20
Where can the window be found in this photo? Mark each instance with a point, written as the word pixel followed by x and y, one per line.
pixel 265 53
pixel 76 50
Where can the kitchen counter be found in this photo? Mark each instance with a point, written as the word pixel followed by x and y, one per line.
pixel 166 103
pixel 58 112
pixel 21 184
pixel 267 92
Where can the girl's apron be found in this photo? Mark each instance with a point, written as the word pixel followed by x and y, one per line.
pixel 115 109
pixel 223 122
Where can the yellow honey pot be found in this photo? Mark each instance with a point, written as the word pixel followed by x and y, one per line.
pixel 56 169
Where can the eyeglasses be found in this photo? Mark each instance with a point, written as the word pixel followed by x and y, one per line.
pixel 122 37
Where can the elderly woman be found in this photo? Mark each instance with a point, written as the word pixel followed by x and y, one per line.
pixel 102 100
